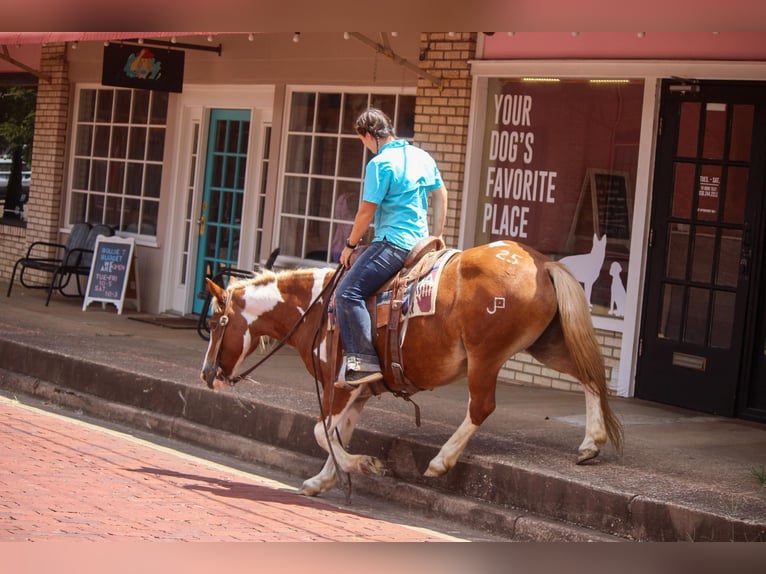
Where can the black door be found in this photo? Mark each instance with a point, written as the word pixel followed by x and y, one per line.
pixel 702 315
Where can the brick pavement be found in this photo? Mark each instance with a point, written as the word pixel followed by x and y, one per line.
pixel 63 480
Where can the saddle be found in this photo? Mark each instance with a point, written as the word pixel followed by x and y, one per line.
pixel 418 263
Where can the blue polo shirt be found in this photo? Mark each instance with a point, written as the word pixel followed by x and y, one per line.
pixel 398 180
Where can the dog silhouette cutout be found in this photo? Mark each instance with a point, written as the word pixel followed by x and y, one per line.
pixel 617 303
pixel 587 266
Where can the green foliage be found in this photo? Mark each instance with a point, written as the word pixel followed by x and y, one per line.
pixel 17 120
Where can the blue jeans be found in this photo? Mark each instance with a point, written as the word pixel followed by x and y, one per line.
pixel 376 265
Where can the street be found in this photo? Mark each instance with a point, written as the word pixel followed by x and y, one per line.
pixel 64 479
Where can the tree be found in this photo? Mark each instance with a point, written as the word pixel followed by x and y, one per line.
pixel 17 125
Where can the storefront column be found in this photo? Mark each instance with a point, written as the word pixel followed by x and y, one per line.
pixel 43 210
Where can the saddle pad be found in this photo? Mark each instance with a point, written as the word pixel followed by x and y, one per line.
pixel 425 290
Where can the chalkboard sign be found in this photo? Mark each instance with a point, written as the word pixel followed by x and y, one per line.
pixel 611 204
pixel 109 272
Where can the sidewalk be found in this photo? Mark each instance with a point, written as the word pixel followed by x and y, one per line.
pixel 683 475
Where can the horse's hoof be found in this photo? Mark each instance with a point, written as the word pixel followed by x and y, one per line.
pixel 308 490
pixel 586 455
pixel 434 470
pixel 372 466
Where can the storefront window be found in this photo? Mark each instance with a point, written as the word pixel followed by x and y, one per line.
pixel 324 167
pixel 559 162
pixel 117 165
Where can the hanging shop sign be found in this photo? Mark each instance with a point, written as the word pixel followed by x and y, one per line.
pixel 143 67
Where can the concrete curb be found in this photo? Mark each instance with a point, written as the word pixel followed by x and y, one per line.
pixel 520 501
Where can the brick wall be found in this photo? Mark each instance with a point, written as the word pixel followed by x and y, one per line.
pixel 441 113
pixel 43 211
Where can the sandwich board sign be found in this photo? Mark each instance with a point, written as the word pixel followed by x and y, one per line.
pixel 110 271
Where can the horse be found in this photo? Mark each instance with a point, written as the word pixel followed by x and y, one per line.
pixel 493 301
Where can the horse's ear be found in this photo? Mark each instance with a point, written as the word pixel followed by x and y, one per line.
pixel 214 289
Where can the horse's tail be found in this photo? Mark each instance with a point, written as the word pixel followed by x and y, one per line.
pixel 580 339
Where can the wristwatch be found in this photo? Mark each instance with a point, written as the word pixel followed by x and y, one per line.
pixel 349 245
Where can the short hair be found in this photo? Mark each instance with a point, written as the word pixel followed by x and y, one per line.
pixel 376 123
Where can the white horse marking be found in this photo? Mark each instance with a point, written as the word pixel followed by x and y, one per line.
pixel 508 257
pixel 499 304
pixel 260 299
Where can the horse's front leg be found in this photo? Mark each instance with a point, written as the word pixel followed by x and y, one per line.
pixel 344 422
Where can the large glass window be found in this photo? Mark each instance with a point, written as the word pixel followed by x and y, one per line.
pixel 559 164
pixel 117 165
pixel 324 166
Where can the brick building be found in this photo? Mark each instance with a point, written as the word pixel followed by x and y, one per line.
pixel 637 153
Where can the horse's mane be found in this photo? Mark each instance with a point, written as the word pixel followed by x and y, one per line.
pixel 267 276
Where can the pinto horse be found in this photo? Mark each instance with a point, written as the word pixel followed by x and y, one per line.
pixel 492 302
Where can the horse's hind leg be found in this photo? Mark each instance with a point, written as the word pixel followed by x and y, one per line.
pixel 551 351
pixel 481 404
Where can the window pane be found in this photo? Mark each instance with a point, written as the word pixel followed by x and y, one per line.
pixel 153 180
pixel 84 140
pixel 405 118
pixel 688 129
pixel 96 208
pixel 708 192
pixel 137 143
pixel 683 190
pixel 291 236
pixel 325 152
pixel 295 195
pixel 130 213
pixel 77 207
pixel 116 177
pixel 134 180
pixel 298 154
pixel 728 258
pixel 672 305
pixel 348 193
pixel 122 107
pixel 678 249
pixel 98 176
pixel 81 174
pixel 104 106
pixel 302 112
pixel 119 145
pixel 320 203
pixel 149 212
pixel 702 256
pixel 696 316
pixel 317 238
pixel 328 113
pixel 140 113
pixel 159 107
pixel 156 147
pixel 723 319
pixel 715 131
pixel 113 211
pixel 741 133
pixel 101 141
pixel 736 195
pixel 86 111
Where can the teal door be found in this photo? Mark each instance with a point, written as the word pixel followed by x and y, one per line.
pixel 221 210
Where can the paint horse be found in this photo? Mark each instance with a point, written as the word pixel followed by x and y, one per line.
pixel 492 302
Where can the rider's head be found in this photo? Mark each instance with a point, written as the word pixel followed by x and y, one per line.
pixel 376 123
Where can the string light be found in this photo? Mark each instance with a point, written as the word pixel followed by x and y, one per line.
pixel 209 37
pixel 74 45
pixel 250 37
pixel 346 35
pixel 297 37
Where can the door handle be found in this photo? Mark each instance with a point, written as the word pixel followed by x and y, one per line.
pixel 201 224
